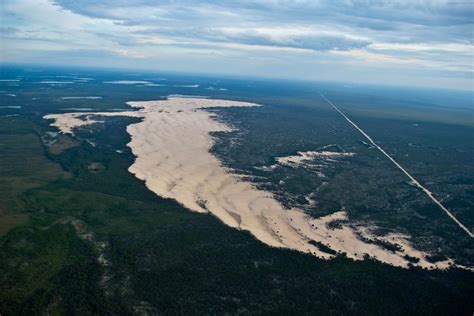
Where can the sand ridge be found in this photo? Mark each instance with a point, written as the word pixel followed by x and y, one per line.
pixel 172 147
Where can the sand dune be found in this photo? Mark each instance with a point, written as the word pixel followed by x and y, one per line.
pixel 172 144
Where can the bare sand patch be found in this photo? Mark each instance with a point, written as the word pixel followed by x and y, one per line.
pixel 303 156
pixel 172 145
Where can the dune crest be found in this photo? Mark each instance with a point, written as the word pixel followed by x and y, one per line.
pixel 172 145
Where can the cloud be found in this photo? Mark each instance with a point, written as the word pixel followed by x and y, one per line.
pixel 399 21
pixel 426 47
pixel 378 15
pixel 421 34
pixel 293 37
pixel 310 38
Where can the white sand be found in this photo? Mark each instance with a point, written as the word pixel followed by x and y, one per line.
pixel 172 146
pixel 303 156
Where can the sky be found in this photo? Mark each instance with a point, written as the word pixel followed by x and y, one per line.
pixel 394 42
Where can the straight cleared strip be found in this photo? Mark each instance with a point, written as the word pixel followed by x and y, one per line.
pixel 414 181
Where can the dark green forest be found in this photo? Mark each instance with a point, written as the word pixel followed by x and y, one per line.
pixel 80 235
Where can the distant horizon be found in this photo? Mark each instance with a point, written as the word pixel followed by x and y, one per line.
pixel 407 43
pixel 232 76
